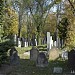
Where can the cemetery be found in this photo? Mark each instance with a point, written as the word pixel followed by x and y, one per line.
pixel 37 37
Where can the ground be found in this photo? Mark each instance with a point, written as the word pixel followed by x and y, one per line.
pixel 28 67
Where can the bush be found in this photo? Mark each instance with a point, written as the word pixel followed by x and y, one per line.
pixel 4 47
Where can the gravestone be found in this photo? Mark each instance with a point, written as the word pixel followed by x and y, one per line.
pixel 34 53
pixel 64 54
pixel 36 42
pixel 54 43
pixel 48 41
pixel 57 70
pixel 25 44
pixel 42 61
pixel 13 55
pixel 57 42
pixel 51 42
pixel 19 42
pixel 22 42
pixel 53 54
pixel 15 39
pixel 71 59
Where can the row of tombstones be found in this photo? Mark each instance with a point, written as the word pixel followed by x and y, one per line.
pixel 23 42
pixel 56 43
pixel 41 58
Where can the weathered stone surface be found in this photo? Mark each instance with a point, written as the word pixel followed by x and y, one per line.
pixel 42 61
pixel 34 54
pixel 13 55
pixel 53 54
pixel 57 70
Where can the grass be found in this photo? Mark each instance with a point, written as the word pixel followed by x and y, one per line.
pixel 28 67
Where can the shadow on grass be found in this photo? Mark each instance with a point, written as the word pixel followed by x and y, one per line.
pixel 28 67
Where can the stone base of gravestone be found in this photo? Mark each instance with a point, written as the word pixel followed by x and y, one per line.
pixel 53 53
pixel 34 53
pixel 57 70
pixel 42 61
pixel 71 59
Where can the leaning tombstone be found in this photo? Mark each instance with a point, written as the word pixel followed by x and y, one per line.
pixel 53 54
pixel 34 53
pixel 42 61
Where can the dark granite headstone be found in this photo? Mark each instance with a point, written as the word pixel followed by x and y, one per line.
pixel 34 53
pixel 13 55
pixel 71 59
pixel 42 61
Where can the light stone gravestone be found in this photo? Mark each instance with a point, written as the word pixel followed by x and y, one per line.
pixel 19 42
pixel 54 43
pixel 25 44
pixel 53 54
pixel 15 38
pixel 57 70
pixel 42 61
pixel 34 54
pixel 48 41
pixel 36 42
pixel 51 42
pixel 64 54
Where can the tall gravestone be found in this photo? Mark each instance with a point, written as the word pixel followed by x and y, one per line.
pixel 25 44
pixel 35 42
pixel 22 42
pixel 58 43
pixel 54 43
pixel 48 41
pixel 51 42
pixel 62 43
pixel 19 42
pixel 15 39
pixel 57 40
pixel 34 54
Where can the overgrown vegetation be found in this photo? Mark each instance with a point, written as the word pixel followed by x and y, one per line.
pixel 4 47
